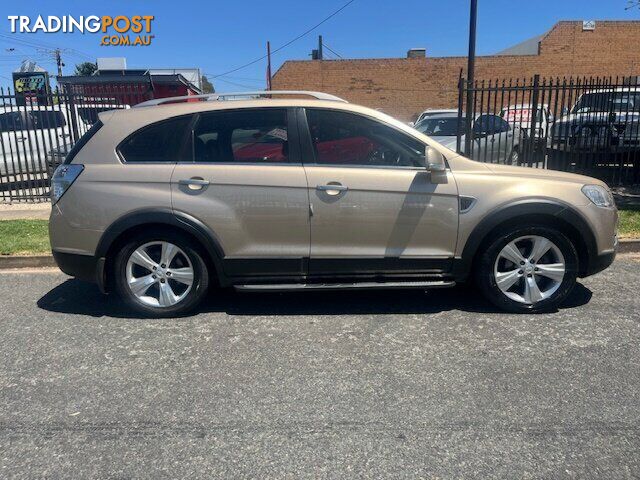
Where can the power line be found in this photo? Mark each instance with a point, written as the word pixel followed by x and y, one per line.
pixel 288 43
pixel 252 87
pixel 331 50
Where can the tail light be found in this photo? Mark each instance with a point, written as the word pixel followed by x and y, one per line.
pixel 63 178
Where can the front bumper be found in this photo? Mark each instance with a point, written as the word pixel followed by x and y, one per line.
pixel 600 263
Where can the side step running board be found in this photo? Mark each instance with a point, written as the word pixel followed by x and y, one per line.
pixel 344 286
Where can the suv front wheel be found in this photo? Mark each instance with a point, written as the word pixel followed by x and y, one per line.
pixel 531 269
pixel 161 274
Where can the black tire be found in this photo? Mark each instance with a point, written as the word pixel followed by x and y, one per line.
pixel 485 277
pixel 199 286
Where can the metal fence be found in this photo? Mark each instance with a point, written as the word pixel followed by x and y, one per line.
pixel 36 133
pixel 584 125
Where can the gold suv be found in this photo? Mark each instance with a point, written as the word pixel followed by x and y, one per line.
pixel 277 192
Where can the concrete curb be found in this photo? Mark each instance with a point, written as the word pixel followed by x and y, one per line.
pixel 629 246
pixel 26 261
pixel 45 261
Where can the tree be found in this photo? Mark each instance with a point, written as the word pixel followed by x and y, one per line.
pixel 86 68
pixel 207 86
pixel 632 4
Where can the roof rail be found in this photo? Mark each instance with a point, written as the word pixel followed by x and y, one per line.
pixel 222 96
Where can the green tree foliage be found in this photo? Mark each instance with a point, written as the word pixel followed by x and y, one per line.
pixel 86 68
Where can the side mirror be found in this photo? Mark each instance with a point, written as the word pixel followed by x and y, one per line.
pixel 434 160
pixel 411 124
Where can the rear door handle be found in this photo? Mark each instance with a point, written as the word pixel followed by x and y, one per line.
pixel 332 189
pixel 195 183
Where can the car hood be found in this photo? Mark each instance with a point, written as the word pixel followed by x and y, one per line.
pixel 543 174
pixel 449 142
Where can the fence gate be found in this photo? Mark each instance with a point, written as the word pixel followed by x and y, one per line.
pixel 585 125
pixel 37 133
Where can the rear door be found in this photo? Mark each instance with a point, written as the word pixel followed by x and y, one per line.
pixel 245 181
pixel 375 208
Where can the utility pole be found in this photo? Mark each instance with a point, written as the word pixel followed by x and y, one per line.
pixel 268 65
pixel 59 63
pixel 471 66
pixel 319 47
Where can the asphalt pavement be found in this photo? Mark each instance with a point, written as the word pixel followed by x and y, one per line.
pixel 320 385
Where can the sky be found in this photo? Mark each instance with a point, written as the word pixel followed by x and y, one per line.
pixel 219 36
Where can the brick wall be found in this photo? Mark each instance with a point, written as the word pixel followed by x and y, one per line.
pixel 404 87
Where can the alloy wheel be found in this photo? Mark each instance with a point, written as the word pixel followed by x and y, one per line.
pixel 529 269
pixel 159 274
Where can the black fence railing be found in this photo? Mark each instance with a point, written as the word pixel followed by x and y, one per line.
pixel 37 133
pixel 589 126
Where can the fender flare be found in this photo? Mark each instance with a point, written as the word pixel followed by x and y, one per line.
pixel 523 208
pixel 183 221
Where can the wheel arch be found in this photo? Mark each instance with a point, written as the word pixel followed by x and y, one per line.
pixel 527 212
pixel 161 218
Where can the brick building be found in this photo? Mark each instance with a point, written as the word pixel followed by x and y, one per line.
pixel 403 87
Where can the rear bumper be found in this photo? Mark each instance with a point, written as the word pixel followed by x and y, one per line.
pixel 83 267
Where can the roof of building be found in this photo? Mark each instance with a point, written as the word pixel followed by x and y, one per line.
pixel 117 77
pixel 528 47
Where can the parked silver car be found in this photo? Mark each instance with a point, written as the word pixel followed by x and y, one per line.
pixel 495 140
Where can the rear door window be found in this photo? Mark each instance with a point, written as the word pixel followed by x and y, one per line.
pixel 160 142
pixel 11 122
pixel 46 119
pixel 246 136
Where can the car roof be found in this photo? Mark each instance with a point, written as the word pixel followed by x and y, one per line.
pixel 158 112
pixel 613 90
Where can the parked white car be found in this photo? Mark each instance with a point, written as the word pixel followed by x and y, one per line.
pixel 433 111
pixel 495 140
pixel 521 114
pixel 28 133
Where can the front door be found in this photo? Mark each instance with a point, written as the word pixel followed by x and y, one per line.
pixel 375 208
pixel 244 180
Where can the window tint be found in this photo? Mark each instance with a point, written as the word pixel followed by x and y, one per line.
pixel 490 125
pixel 44 119
pixel 159 142
pixel 341 138
pixel 11 122
pixel 249 136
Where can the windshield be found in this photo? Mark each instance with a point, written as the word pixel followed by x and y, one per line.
pixel 439 127
pixel 608 102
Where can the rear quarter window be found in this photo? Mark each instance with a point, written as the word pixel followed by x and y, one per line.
pixel 160 142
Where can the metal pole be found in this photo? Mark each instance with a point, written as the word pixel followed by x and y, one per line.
pixel 471 65
pixel 320 47
pixel 268 66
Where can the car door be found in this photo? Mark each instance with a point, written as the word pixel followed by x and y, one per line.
pixel 14 142
pixel 494 139
pixel 375 209
pixel 245 181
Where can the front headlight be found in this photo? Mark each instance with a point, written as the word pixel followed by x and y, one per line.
pixel 598 195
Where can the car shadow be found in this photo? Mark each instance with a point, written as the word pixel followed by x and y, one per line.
pixel 81 298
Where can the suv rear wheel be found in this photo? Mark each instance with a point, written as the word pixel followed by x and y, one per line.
pixel 531 269
pixel 161 274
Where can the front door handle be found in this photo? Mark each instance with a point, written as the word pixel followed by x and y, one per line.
pixel 194 183
pixel 332 189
